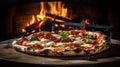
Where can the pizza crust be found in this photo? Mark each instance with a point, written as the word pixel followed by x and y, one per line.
pixel 48 52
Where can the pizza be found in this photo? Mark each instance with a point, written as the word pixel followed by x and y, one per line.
pixel 62 43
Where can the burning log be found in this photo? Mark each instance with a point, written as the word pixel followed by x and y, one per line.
pixel 33 27
pixel 58 17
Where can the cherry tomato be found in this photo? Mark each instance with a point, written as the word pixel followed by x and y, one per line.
pixel 48 35
pixel 80 34
pixel 22 40
pixel 93 42
pixel 56 40
pixel 68 40
pixel 75 46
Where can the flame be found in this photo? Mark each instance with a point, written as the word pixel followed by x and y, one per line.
pixel 41 16
pixel 56 8
pixel 23 30
pixel 31 21
pixel 85 21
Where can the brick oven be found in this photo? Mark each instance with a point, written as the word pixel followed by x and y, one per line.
pixel 17 15
pixel 24 17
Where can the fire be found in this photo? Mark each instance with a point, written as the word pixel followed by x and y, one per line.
pixel 85 21
pixel 32 20
pixel 56 8
pixel 41 16
pixel 30 23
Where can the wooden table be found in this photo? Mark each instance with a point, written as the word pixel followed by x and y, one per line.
pixel 9 54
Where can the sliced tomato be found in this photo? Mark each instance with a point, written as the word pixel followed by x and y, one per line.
pixel 56 40
pixel 39 34
pixel 80 34
pixel 72 32
pixel 48 35
pixel 93 42
pixel 22 40
pixel 75 46
pixel 67 40
pixel 25 45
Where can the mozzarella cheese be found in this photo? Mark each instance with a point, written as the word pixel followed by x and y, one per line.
pixel 78 41
pixel 90 33
pixel 31 42
pixel 59 44
pixel 56 35
pixel 51 48
pixel 71 36
pixel 44 40
pixel 50 43
pixel 78 38
pixel 86 45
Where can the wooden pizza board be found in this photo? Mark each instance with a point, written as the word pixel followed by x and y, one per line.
pixel 9 54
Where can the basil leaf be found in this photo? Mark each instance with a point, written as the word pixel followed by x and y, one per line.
pixel 63 35
pixel 84 40
pixel 33 38
pixel 90 37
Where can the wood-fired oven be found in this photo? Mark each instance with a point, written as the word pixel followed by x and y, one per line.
pixel 17 16
pixel 24 17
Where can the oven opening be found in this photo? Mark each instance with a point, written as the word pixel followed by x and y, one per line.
pixel 27 18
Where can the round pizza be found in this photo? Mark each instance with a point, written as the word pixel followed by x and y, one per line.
pixel 62 43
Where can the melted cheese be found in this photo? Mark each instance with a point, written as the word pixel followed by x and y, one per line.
pixel 44 40
pixel 32 42
pixel 51 48
pixel 71 36
pixel 59 44
pixel 78 38
pixel 86 45
pixel 90 33
pixel 78 42
pixel 50 43
pixel 56 35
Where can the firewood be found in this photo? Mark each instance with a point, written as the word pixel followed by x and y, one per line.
pixel 58 17
pixel 32 27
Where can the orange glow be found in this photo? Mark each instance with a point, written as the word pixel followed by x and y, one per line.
pixel 56 25
pixel 33 31
pixel 23 30
pixel 85 21
pixel 31 21
pixel 56 8
pixel 62 25
pixel 41 16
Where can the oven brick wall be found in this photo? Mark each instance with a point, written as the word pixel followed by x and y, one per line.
pixel 24 15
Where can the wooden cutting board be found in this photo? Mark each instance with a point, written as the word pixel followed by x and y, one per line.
pixel 9 54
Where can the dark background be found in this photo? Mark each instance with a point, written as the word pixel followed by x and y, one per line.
pixel 5 6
